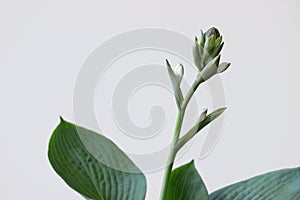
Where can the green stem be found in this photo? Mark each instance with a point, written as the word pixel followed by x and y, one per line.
pixel 187 137
pixel 171 157
pixel 173 149
pixel 191 91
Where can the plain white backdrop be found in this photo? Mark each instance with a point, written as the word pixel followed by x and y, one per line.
pixel 44 43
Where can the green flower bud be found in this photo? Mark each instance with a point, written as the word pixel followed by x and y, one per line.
pixel 200 39
pixel 212 31
pixel 207 46
pixel 209 43
pixel 218 41
pixel 179 72
pixel 197 49
pixel 211 68
pixel 176 78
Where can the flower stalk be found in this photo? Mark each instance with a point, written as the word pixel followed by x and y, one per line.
pixel 206 52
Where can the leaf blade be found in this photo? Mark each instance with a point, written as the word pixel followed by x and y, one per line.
pixel 86 173
pixel 277 185
pixel 186 184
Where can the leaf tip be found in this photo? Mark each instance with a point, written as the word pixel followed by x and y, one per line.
pixel 221 110
pixel 192 163
pixel 167 61
pixel 61 119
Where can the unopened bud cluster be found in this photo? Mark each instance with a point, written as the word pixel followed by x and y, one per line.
pixel 206 53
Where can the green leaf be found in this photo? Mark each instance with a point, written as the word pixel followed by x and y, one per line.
pixel 93 165
pixel 186 184
pixel 278 185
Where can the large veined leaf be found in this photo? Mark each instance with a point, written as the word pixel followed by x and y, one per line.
pixel 93 165
pixel 186 184
pixel 278 185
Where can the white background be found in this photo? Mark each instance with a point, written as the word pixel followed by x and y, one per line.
pixel 44 43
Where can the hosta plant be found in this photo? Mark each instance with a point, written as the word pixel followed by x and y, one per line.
pixel 98 169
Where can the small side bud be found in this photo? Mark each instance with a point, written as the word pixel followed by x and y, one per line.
pixel 176 77
pixel 203 115
pixel 223 67
pixel 179 72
